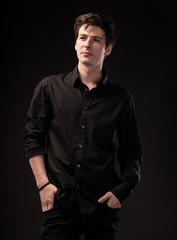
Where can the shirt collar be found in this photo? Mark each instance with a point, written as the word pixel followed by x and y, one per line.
pixel 76 78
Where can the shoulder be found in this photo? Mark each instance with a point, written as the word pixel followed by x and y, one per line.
pixel 51 80
pixel 46 85
pixel 119 90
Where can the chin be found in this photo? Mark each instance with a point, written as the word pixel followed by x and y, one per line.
pixel 86 63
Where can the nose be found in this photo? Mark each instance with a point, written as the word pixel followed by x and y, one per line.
pixel 87 43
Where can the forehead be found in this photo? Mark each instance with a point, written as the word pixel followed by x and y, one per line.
pixel 91 30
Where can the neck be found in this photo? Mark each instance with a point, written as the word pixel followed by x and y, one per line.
pixel 89 75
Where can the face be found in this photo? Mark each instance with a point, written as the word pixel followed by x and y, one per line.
pixel 91 46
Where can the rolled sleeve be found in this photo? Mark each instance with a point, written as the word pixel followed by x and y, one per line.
pixel 38 119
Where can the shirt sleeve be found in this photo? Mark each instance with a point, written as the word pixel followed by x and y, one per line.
pixel 129 152
pixel 38 119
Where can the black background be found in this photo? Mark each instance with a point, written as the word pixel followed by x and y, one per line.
pixel 38 40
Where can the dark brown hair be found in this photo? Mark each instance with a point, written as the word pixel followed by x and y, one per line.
pixel 107 24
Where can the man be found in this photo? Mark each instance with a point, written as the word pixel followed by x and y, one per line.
pixel 70 131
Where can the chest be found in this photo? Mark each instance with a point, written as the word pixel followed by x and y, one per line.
pixel 95 106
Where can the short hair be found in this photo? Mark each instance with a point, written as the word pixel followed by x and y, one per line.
pixel 107 24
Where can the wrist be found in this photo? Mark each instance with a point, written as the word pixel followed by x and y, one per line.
pixel 43 186
pixel 40 182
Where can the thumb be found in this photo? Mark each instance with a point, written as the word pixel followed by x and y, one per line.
pixel 104 198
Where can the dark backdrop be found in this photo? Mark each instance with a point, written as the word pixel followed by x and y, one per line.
pixel 38 40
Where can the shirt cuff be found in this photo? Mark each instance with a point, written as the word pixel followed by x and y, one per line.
pixel 122 191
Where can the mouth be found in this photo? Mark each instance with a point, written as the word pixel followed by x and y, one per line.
pixel 86 53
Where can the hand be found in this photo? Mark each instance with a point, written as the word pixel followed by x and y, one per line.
pixel 112 200
pixel 47 195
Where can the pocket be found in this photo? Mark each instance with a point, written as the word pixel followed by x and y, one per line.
pixel 114 208
pixel 48 218
pixel 65 198
pixel 114 213
pixel 105 205
pixel 49 211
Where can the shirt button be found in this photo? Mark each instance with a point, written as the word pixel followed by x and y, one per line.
pixel 80 146
pixel 83 126
pixel 85 107
pixel 78 165
pixel 77 186
pixel 86 89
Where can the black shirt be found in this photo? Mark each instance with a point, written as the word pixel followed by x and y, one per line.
pixel 75 130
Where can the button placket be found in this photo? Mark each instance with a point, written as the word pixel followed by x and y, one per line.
pixel 81 141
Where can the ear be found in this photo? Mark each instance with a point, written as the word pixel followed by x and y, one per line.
pixel 108 50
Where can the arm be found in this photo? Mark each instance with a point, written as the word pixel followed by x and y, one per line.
pixel 129 152
pixel 47 194
pixel 38 169
pixel 38 120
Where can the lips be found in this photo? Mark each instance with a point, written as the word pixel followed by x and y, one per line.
pixel 86 53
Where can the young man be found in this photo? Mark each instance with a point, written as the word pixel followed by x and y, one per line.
pixel 71 124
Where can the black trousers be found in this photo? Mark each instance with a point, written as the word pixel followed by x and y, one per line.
pixel 101 224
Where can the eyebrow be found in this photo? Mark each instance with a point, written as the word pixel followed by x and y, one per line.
pixel 84 35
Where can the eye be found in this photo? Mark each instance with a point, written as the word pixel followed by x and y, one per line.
pixel 82 37
pixel 96 40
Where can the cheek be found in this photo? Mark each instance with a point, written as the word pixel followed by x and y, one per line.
pixel 76 47
pixel 102 53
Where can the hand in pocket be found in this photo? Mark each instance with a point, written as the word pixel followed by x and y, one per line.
pixel 112 200
pixel 47 196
